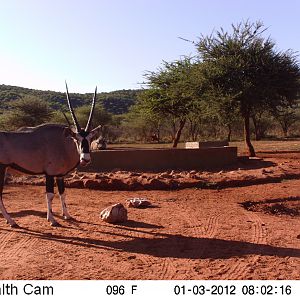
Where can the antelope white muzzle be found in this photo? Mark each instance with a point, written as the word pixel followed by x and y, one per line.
pixel 85 159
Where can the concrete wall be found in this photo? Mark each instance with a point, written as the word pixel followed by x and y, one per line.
pixel 161 159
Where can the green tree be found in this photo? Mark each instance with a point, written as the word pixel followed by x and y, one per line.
pixel 262 121
pixel 286 117
pixel 141 122
pixel 220 111
pixel 246 69
pixel 115 130
pixel 27 111
pixel 173 93
pixel 100 117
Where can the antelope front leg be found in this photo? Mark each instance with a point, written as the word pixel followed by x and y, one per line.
pixel 49 198
pixel 62 195
pixel 5 214
pixel 3 210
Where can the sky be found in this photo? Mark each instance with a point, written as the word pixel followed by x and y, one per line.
pixel 113 43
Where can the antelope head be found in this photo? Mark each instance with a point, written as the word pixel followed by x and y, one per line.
pixel 83 137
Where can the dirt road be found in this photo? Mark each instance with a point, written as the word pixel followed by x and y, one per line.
pixel 190 234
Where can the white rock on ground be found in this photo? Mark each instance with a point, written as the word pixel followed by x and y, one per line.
pixel 116 213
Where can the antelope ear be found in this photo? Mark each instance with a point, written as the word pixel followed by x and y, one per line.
pixel 95 132
pixel 69 132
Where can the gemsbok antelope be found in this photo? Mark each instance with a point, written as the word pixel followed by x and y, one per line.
pixel 50 149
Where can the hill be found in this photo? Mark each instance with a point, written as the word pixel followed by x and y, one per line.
pixel 116 102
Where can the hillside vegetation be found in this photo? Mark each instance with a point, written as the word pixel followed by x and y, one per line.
pixel 116 102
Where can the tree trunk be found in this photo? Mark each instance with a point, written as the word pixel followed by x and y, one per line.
pixel 173 128
pixel 158 135
pixel 178 133
pixel 285 133
pixel 251 151
pixel 285 129
pixel 229 132
pixel 255 128
pixel 193 134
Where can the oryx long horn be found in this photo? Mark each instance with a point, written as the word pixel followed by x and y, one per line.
pixel 72 111
pixel 69 124
pixel 89 122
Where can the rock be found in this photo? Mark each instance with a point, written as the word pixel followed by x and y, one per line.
pixel 91 184
pixel 74 175
pixel 165 175
pixel 173 184
pixel 135 174
pixel 193 172
pixel 177 176
pixel 117 184
pixel 138 202
pixel 183 173
pixel 186 184
pixel 39 182
pixel 8 178
pixel 133 184
pixel 101 176
pixel 75 184
pixel 116 213
pixel 155 184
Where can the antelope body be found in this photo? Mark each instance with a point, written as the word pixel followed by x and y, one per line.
pixel 49 149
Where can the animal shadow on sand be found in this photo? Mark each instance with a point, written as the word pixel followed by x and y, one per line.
pixel 165 245
pixel 27 212
pixel 136 224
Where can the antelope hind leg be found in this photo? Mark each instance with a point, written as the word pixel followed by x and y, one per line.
pixel 49 198
pixel 62 195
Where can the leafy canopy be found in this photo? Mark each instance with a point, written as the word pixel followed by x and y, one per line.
pixel 245 68
pixel 172 89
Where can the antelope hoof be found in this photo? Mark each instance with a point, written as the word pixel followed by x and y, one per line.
pixel 66 217
pixel 54 224
pixel 14 225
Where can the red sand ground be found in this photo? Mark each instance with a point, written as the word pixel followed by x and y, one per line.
pixel 250 232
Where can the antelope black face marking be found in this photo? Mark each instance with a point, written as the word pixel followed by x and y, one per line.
pixel 84 148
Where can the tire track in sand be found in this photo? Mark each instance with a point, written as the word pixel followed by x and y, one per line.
pixel 4 239
pixel 183 215
pixel 168 270
pixel 22 248
pixel 240 268
pixel 198 227
pixel 18 247
pixel 167 266
pixel 15 249
pixel 147 259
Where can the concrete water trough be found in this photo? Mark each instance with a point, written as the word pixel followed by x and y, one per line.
pixel 161 159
